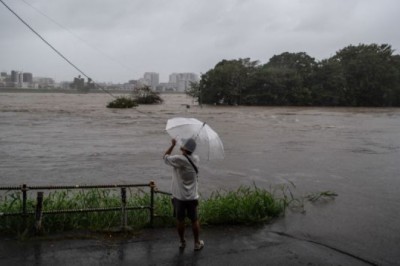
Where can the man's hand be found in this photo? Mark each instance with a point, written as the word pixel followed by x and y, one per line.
pixel 173 143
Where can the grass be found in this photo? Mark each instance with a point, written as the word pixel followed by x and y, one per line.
pixel 83 199
pixel 324 195
pixel 244 206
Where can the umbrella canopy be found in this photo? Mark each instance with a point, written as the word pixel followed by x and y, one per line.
pixel 209 145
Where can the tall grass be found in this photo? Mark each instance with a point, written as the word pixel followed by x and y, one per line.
pixel 84 199
pixel 246 205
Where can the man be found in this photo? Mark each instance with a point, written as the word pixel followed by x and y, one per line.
pixel 184 189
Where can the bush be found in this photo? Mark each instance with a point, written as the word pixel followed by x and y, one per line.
pixel 145 95
pixel 122 102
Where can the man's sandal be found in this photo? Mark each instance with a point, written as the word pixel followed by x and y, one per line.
pixel 198 246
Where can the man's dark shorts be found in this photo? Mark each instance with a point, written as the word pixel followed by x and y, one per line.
pixel 185 208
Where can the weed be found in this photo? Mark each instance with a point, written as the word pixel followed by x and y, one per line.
pixel 246 205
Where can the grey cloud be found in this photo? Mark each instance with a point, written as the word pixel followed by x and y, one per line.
pixel 190 35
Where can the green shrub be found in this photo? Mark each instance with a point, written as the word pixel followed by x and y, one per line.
pixel 145 95
pixel 122 102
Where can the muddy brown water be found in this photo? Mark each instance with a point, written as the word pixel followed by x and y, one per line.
pixel 65 139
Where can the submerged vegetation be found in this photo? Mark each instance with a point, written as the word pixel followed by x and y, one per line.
pixel 122 102
pixel 246 205
pixel 142 95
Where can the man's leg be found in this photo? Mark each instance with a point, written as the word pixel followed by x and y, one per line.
pixel 179 213
pixel 193 216
pixel 196 231
pixel 181 230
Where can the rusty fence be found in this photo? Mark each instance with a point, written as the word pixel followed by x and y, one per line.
pixel 39 211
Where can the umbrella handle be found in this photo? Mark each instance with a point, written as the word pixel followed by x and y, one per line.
pixel 178 140
pixel 198 133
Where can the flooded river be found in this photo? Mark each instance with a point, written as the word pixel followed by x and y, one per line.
pixel 56 139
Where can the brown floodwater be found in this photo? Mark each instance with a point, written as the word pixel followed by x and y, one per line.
pixel 69 139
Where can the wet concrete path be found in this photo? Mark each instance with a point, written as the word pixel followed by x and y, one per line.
pixel 223 246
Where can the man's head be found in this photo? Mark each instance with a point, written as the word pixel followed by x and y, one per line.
pixel 189 145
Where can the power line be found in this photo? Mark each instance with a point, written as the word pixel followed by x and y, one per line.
pixel 66 59
pixel 53 48
pixel 76 36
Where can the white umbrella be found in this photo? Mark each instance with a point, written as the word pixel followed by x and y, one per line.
pixel 209 144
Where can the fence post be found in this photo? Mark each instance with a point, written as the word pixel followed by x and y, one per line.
pixel 39 212
pixel 123 210
pixel 24 198
pixel 152 186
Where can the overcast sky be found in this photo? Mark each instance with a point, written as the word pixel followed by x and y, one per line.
pixel 116 41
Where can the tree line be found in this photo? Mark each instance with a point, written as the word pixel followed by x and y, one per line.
pixel 362 75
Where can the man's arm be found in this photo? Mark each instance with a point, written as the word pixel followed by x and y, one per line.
pixel 173 143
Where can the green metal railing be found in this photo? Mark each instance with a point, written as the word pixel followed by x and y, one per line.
pixel 39 211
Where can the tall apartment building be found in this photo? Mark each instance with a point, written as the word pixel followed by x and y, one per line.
pixel 27 77
pixel 172 78
pixel 44 82
pixel 17 78
pixel 20 79
pixel 182 80
pixel 152 79
pixel 3 79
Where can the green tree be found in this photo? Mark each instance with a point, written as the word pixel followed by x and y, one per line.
pixel 363 75
pixel 293 73
pixel 394 95
pixel 194 90
pixel 329 84
pixel 227 82
pixel 371 75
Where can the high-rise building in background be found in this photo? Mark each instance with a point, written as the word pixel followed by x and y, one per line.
pixel 17 78
pixel 3 79
pixel 44 82
pixel 182 80
pixel 27 77
pixel 21 80
pixel 152 79
pixel 172 78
